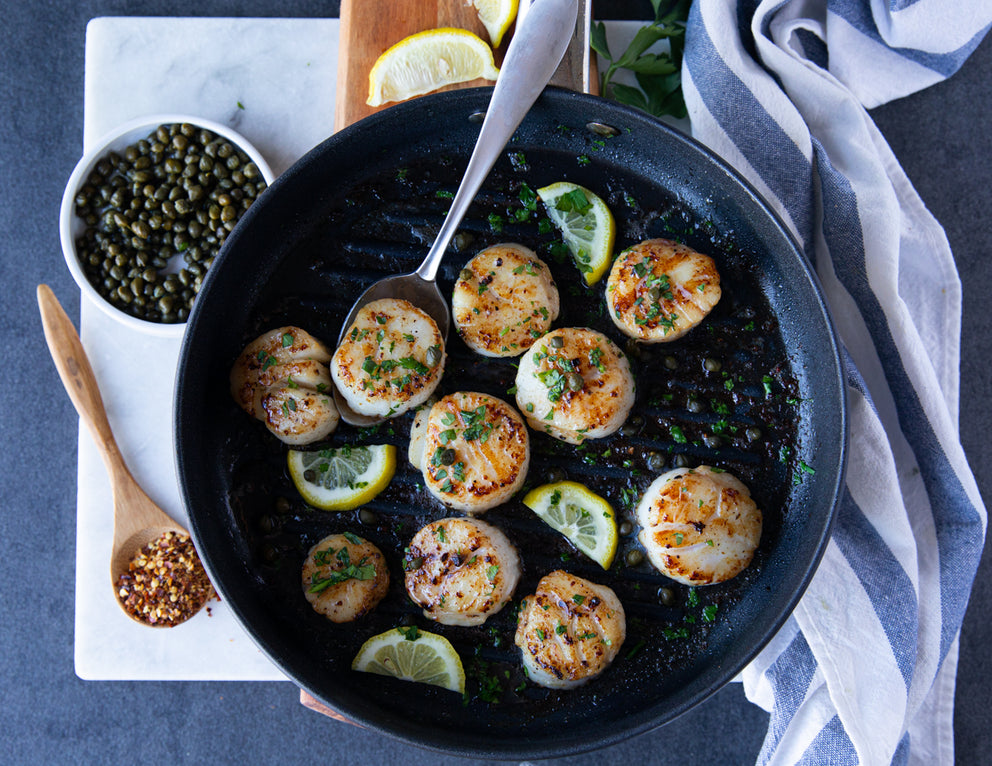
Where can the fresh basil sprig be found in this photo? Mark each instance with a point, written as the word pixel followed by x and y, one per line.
pixel 657 74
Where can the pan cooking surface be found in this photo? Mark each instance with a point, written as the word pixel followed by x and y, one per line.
pixel 326 233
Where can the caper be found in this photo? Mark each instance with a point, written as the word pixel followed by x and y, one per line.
pixel 266 524
pixel 680 461
pixel 557 342
pixel 752 434
pixel 465 275
pixel 367 517
pixel 695 406
pixel 666 596
pixel 655 461
pixel 634 557
pixel 269 553
pixel 433 356
pixel 712 365
pixel 671 363
pixel 448 456
pixel 654 294
pixel 712 441
pixel 555 474
pixel 574 381
pixel 625 528
pixel 632 427
pixel 283 506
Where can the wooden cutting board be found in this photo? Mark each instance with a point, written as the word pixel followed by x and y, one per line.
pixel 369 28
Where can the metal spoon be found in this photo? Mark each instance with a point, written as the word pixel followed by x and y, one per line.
pixel 137 520
pixel 536 48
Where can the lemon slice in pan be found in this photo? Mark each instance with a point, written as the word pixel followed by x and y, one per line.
pixel 586 225
pixel 412 655
pixel 342 478
pixel 582 516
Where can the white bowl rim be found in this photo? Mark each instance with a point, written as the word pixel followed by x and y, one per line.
pixel 67 211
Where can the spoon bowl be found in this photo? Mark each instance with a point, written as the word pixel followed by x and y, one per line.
pixel 138 521
pixel 536 49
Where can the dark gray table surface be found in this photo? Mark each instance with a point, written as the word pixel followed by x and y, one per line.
pixel 47 714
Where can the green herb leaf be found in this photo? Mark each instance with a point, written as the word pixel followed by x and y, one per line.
pixel 658 75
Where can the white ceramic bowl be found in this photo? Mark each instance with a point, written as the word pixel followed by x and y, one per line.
pixel 72 226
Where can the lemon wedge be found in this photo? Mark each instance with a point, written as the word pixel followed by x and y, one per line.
pixel 496 16
pixel 343 478
pixel 581 515
pixel 427 61
pixel 412 655
pixel 586 225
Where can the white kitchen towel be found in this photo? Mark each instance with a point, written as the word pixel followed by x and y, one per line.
pixel 863 673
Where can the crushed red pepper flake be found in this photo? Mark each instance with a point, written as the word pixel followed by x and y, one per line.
pixel 166 583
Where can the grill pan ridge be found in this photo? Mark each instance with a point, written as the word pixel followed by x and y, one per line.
pixel 364 204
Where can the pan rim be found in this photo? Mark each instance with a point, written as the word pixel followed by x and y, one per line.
pixel 526 746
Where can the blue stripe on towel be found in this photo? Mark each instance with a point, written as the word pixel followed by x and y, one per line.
pixel 958 524
pixel 790 676
pixel 831 746
pixel 858 14
pixel 884 581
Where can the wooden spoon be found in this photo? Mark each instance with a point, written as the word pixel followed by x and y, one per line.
pixel 137 520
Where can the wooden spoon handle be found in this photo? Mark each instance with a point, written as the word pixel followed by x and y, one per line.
pixel 77 374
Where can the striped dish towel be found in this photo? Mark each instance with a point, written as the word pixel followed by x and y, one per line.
pixel 863 672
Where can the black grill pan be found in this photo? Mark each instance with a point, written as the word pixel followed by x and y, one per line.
pixel 366 203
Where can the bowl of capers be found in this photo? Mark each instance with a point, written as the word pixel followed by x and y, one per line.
pixel 147 209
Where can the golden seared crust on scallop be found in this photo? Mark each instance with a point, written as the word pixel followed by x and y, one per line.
pixel 658 290
pixel 575 384
pixel 476 451
pixel 282 379
pixel 699 525
pixel 391 358
pixel 344 577
pixel 569 631
pixel 461 571
pixel 504 299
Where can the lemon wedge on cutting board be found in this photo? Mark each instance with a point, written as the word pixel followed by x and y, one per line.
pixel 496 16
pixel 412 655
pixel 427 61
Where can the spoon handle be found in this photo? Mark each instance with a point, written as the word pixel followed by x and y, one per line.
pixel 77 375
pixel 535 51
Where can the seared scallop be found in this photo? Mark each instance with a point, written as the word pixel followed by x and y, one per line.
pixel 569 631
pixel 504 299
pixel 390 360
pixel 282 379
pixel 344 577
pixel 699 525
pixel 461 571
pixel 575 384
pixel 659 290
pixel 475 451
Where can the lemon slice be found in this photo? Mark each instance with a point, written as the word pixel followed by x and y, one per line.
pixel 427 61
pixel 412 655
pixel 586 224
pixel 496 16
pixel 343 478
pixel 582 516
